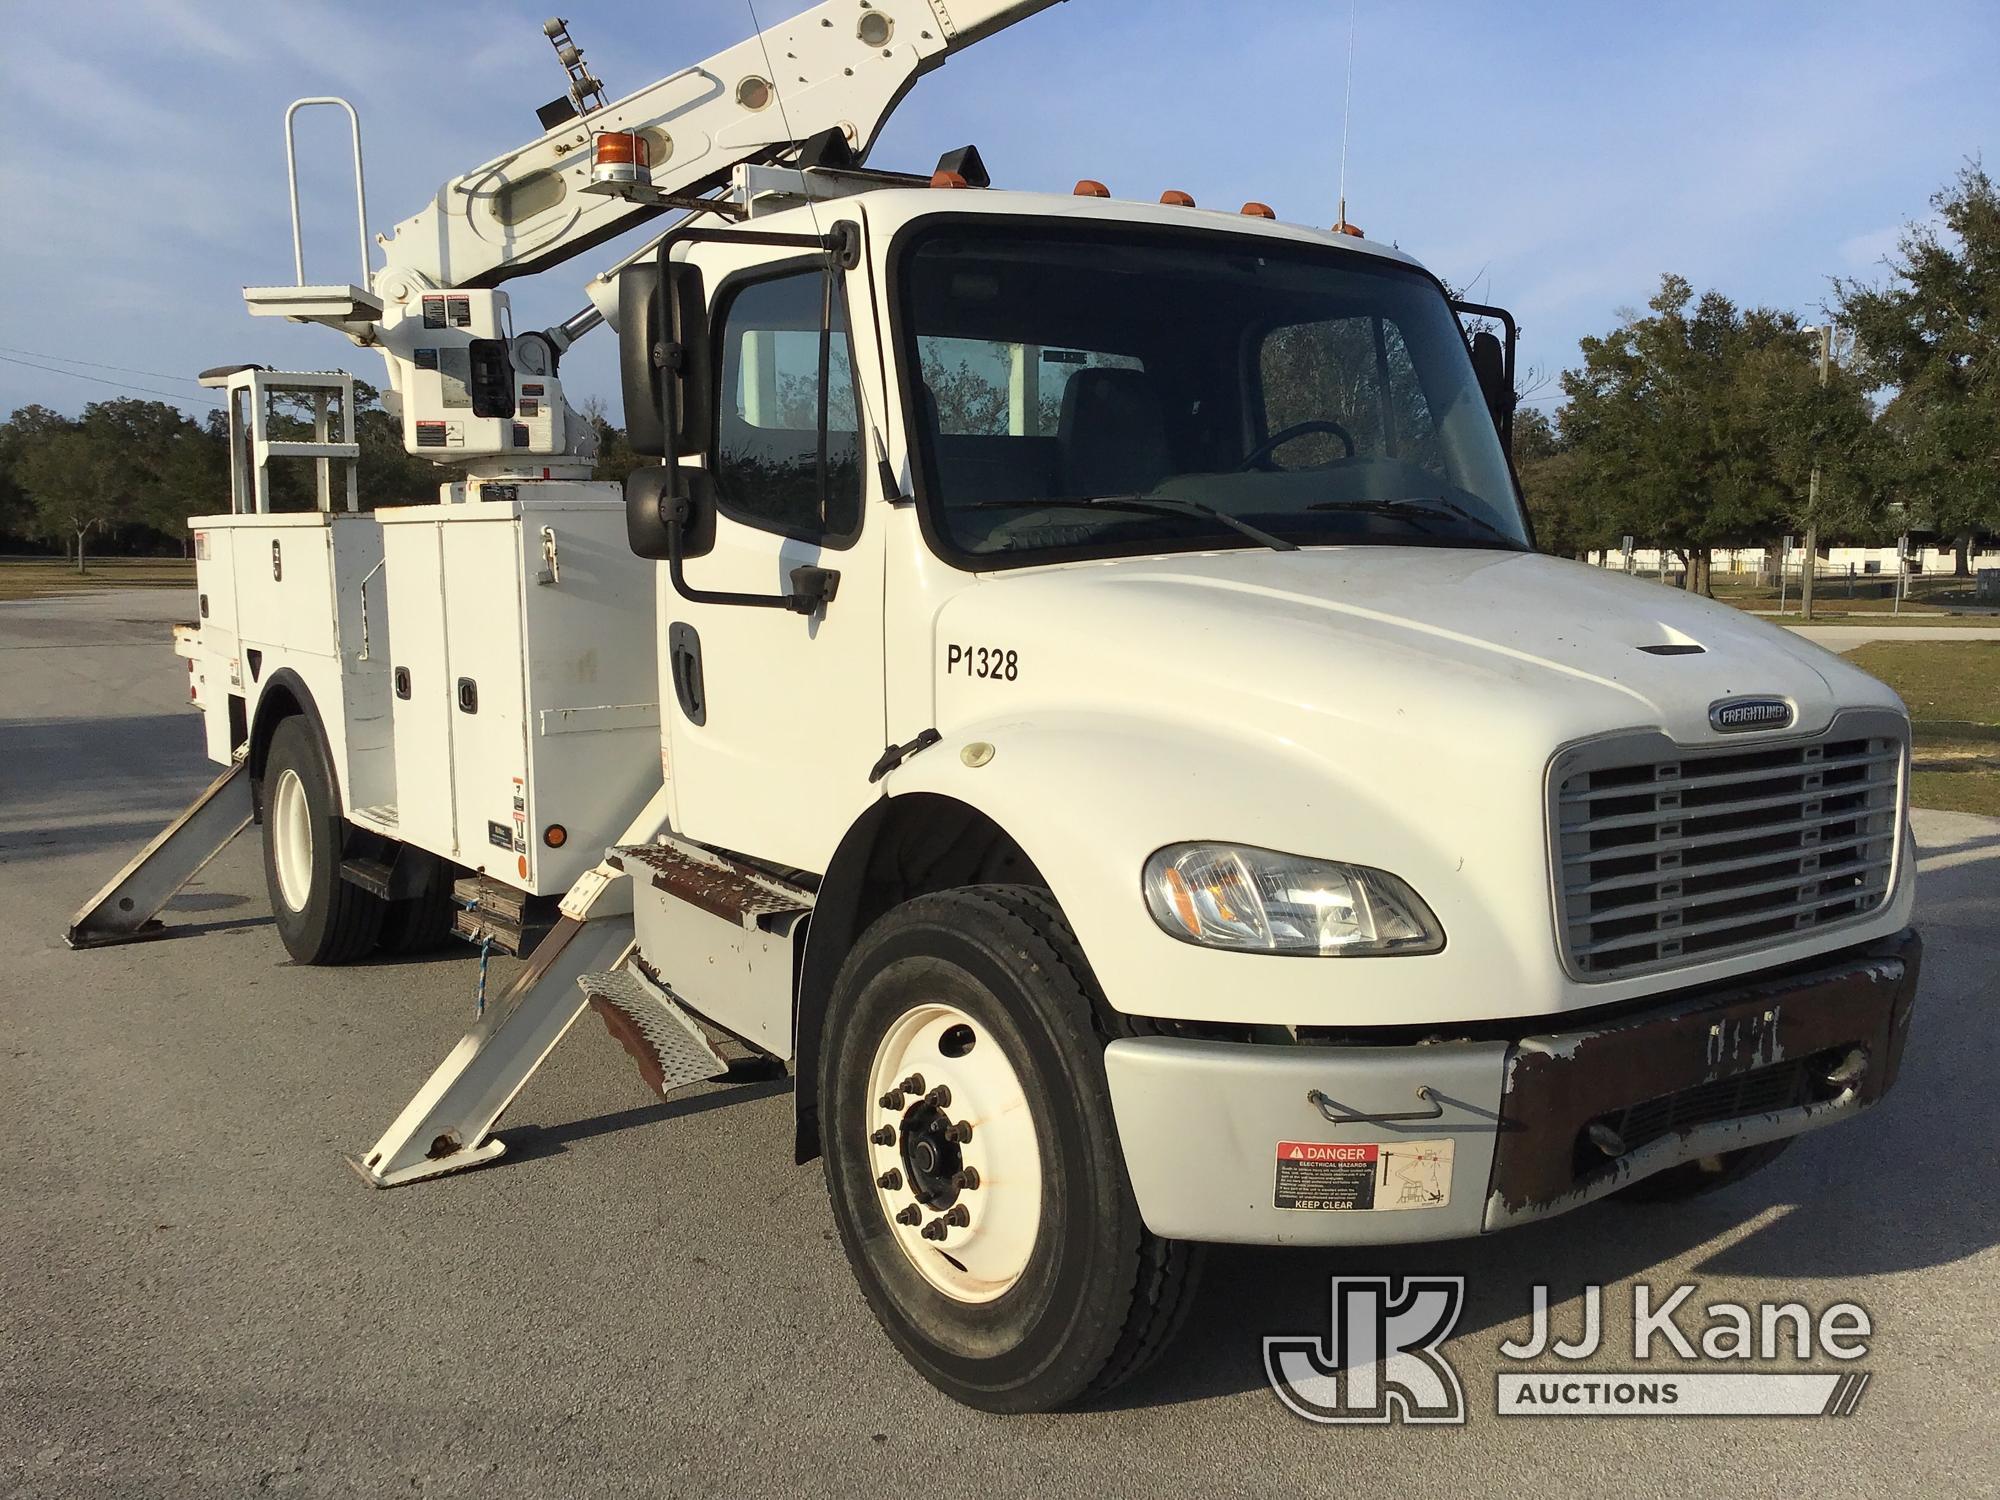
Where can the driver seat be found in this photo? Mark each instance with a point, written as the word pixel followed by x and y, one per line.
pixel 1111 435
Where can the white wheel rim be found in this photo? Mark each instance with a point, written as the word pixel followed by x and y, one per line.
pixel 291 839
pixel 982 1228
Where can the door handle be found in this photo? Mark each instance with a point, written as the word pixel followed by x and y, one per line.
pixel 684 663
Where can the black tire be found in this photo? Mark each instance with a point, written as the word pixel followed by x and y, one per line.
pixel 1101 1295
pixel 421 923
pixel 1705 1174
pixel 338 922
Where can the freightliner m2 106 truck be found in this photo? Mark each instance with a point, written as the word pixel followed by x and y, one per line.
pixel 1072 683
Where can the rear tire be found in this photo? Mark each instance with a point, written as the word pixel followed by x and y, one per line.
pixel 321 918
pixel 1705 1174
pixel 420 923
pixel 1048 1289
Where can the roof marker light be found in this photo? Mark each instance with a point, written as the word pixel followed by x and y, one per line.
pixel 1176 198
pixel 1257 210
pixel 1343 227
pixel 944 179
pixel 1089 188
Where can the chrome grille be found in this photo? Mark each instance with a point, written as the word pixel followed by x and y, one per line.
pixel 1686 855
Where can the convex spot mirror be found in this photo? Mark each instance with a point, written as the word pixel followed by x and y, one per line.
pixel 653 495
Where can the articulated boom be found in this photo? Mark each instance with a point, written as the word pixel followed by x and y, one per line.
pixel 473 393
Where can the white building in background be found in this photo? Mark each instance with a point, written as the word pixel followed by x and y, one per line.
pixel 1862 562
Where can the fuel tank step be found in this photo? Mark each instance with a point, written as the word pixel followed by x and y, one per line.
pixel 670 1049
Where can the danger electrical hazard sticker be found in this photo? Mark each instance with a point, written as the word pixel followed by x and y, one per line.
pixel 1364 1176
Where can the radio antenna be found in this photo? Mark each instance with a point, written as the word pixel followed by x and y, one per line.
pixel 1346 112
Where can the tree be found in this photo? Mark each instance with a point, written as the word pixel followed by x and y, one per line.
pixel 77 486
pixel 1552 481
pixel 1695 426
pixel 22 432
pixel 1931 337
pixel 615 458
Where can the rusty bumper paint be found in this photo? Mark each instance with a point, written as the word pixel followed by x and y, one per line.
pixel 1585 1112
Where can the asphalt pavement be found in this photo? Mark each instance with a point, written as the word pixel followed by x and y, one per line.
pixel 197 1297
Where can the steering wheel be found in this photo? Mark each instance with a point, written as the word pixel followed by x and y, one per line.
pixel 1285 435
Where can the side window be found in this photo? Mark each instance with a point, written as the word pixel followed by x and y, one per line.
pixel 1337 371
pixel 767 452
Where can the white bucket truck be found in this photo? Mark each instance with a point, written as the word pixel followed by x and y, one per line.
pixel 1075 687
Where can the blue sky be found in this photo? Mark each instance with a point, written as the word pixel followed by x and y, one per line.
pixel 1557 158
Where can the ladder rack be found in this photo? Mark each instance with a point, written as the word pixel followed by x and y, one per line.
pixel 251 446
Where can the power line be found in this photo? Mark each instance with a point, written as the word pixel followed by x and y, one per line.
pixel 65 359
pixel 116 385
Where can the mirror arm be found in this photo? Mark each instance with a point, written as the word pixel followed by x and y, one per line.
pixel 812 588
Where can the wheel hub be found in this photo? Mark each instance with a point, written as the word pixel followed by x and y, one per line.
pixel 954 1152
pixel 290 832
pixel 932 1161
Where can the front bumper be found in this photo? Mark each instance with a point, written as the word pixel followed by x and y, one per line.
pixel 1360 1144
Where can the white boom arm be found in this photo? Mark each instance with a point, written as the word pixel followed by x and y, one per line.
pixel 845 64
pixel 471 394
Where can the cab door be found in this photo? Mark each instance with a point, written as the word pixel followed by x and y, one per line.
pixel 774 718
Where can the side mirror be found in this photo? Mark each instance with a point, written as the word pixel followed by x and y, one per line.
pixel 656 498
pixel 663 358
pixel 1489 364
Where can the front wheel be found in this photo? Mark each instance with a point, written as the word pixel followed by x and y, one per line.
pixel 972 1157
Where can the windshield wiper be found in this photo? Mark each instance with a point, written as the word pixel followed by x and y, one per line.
pixel 1421 505
pixel 1165 504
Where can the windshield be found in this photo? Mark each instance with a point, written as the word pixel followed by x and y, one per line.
pixel 1097 392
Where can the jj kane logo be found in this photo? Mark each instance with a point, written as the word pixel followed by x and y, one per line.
pixel 1736 715
pixel 1379 1361
pixel 1382 1358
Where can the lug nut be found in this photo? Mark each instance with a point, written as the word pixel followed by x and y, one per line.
pixel 911 1215
pixel 959 1134
pixel 914 1084
pixel 966 1181
pixel 940 1096
pixel 934 1230
pixel 886 1136
pixel 958 1216
pixel 890 1180
pixel 893 1100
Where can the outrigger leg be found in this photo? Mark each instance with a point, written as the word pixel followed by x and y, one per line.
pixel 583 961
pixel 127 909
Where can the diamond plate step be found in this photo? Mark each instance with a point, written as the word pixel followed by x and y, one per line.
pixel 669 1048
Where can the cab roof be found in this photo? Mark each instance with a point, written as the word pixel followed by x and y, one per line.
pixel 889 209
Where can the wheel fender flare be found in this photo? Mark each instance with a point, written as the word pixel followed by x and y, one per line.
pixel 1062 788
pixel 285 695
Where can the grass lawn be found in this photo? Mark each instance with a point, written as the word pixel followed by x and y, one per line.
pixel 36 578
pixel 1952 689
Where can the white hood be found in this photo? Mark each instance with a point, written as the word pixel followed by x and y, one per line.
pixel 1389 706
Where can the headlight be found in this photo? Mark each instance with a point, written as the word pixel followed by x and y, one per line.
pixel 1260 901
